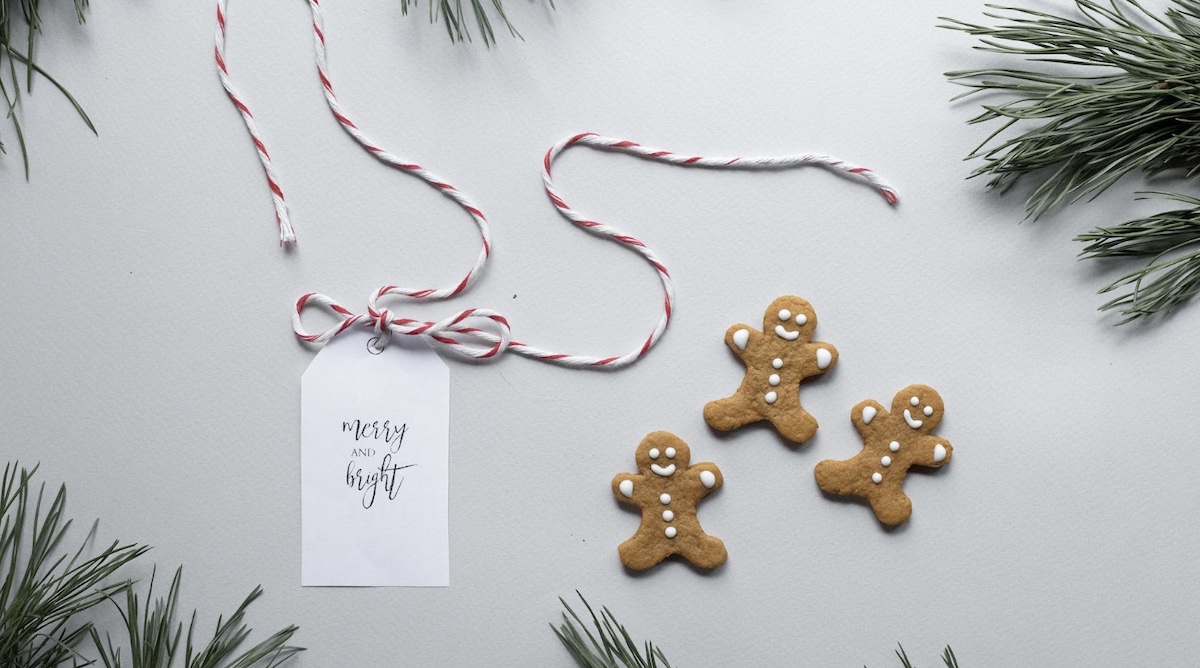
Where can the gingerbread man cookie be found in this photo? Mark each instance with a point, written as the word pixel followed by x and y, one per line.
pixel 667 490
pixel 776 360
pixel 892 442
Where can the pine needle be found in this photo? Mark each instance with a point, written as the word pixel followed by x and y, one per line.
pixel 452 14
pixel 1116 90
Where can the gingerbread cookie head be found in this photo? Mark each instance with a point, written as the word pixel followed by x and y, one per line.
pixel 662 454
pixel 790 318
pixel 920 406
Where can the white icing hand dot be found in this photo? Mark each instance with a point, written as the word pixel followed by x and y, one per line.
pixel 741 338
pixel 627 488
pixel 708 479
pixel 824 358
pixel 939 452
pixel 868 414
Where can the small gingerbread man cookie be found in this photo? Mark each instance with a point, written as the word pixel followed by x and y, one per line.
pixel 892 442
pixel 776 360
pixel 667 490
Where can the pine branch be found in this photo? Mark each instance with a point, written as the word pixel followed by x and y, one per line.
pixel 452 14
pixel 1117 90
pixel 613 647
pixel 26 12
pixel 44 590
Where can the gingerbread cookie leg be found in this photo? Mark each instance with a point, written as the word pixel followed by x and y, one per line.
pixel 730 413
pixel 643 550
pixel 705 552
pixel 791 420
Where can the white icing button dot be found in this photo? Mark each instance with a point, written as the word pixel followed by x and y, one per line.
pixel 876 477
pixel 801 319
pixel 886 461
pixel 939 452
pixel 668 516
pixel 627 488
pixel 868 414
pixel 773 380
pixel 778 363
pixel 785 315
pixel 653 453
pixel 741 337
pixel 894 446
pixel 670 453
pixel 824 358
pixel 670 532
pixel 928 411
pixel 914 401
pixel 708 479
pixel 665 498
pixel 770 398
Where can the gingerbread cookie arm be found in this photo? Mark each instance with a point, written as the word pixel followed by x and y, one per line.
pixel 627 487
pixel 821 357
pixel 741 339
pixel 868 416
pixel 932 451
pixel 708 475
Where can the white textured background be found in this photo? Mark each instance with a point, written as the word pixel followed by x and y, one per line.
pixel 148 360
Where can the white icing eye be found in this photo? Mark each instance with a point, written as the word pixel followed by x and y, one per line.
pixel 778 363
pixel 653 453
pixel 671 453
pixel 928 411
pixel 914 401
pixel 801 319
pixel 785 315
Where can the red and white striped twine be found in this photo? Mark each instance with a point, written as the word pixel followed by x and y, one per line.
pixel 482 333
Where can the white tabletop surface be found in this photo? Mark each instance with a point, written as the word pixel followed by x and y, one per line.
pixel 149 361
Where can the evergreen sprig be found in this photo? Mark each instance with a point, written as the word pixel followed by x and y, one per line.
pixel 453 15
pixel 613 647
pixel 45 590
pixel 153 636
pixel 17 58
pixel 1116 90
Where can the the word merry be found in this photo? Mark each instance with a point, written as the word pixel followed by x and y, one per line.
pixel 392 435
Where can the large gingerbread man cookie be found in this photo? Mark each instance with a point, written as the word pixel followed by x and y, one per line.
pixel 667 490
pixel 892 442
pixel 776 360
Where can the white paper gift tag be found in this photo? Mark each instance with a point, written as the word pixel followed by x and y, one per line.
pixel 374 465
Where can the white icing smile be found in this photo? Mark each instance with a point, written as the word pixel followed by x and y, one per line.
pixel 915 424
pixel 785 334
pixel 663 471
